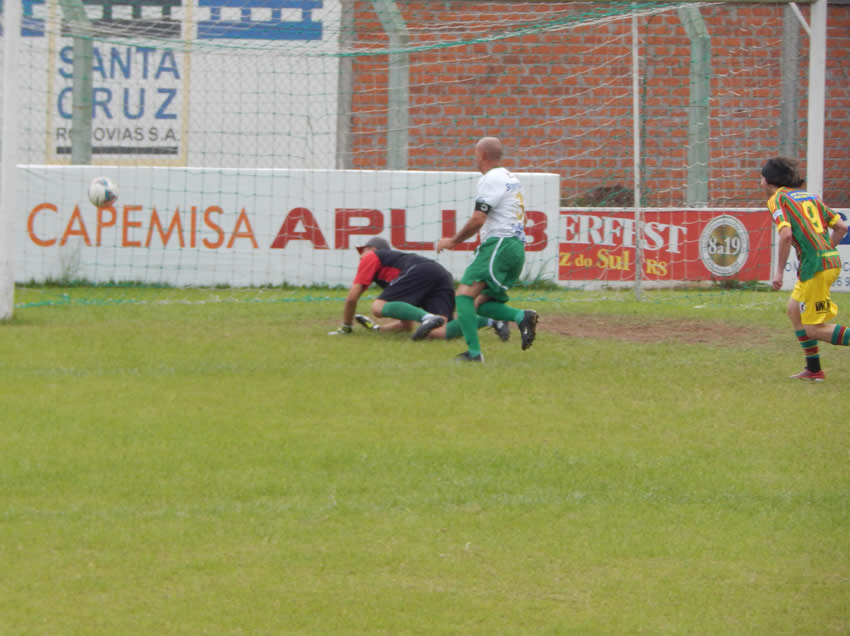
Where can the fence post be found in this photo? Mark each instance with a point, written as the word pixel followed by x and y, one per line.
pixel 399 81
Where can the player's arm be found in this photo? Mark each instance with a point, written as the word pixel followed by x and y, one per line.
pixel 349 309
pixel 467 231
pixel 839 230
pixel 784 252
pixel 367 271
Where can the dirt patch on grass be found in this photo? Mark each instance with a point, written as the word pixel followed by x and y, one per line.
pixel 639 329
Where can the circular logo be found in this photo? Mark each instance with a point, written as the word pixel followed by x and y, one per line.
pixel 724 245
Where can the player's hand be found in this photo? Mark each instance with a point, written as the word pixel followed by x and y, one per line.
pixel 342 331
pixel 444 244
pixel 776 283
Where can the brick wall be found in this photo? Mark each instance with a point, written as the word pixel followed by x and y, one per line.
pixel 561 100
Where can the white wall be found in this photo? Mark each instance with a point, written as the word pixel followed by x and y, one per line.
pixel 226 102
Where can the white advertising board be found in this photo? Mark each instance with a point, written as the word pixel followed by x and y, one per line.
pixel 195 226
pixel 215 226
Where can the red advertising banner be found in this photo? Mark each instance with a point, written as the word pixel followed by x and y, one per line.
pixel 678 245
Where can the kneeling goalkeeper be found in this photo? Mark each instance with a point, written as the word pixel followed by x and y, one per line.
pixel 418 293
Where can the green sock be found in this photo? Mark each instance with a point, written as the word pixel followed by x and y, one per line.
pixel 500 311
pixel 453 329
pixel 468 320
pixel 402 311
pixel 841 335
pixel 810 348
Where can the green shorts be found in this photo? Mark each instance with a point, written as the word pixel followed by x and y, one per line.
pixel 498 262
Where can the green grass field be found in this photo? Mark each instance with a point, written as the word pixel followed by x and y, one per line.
pixel 211 462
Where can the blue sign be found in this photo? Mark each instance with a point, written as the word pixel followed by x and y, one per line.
pixel 247 28
pixel 31 27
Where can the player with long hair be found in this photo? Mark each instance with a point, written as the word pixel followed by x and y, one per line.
pixel 805 222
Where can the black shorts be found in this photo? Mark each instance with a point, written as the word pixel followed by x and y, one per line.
pixel 426 285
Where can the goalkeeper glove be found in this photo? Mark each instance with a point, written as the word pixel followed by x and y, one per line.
pixel 343 330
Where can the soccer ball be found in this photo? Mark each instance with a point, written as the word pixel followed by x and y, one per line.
pixel 102 191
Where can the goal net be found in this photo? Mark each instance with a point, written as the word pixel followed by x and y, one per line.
pixel 256 142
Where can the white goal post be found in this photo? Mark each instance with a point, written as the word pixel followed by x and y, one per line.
pixel 8 187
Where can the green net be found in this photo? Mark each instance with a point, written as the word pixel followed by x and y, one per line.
pixel 255 143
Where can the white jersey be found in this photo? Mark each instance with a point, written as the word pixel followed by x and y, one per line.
pixel 499 196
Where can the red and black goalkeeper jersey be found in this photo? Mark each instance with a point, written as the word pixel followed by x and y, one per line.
pixel 384 266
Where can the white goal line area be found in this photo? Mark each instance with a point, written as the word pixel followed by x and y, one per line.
pixel 203 227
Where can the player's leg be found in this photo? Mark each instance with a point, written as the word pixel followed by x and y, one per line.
pixel 439 303
pixel 808 343
pixel 504 269
pixel 452 329
pixel 437 300
pixel 497 265
pixel 398 309
pixel 809 310
pixel 840 335
pixel 402 298
pixel 815 308
pixel 467 317
pixel 526 319
pixel 820 308
pixel 387 327
pixel 471 284
pixel 394 326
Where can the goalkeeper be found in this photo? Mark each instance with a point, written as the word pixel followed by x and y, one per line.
pixel 417 292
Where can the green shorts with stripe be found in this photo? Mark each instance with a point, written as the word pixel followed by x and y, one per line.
pixel 498 262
